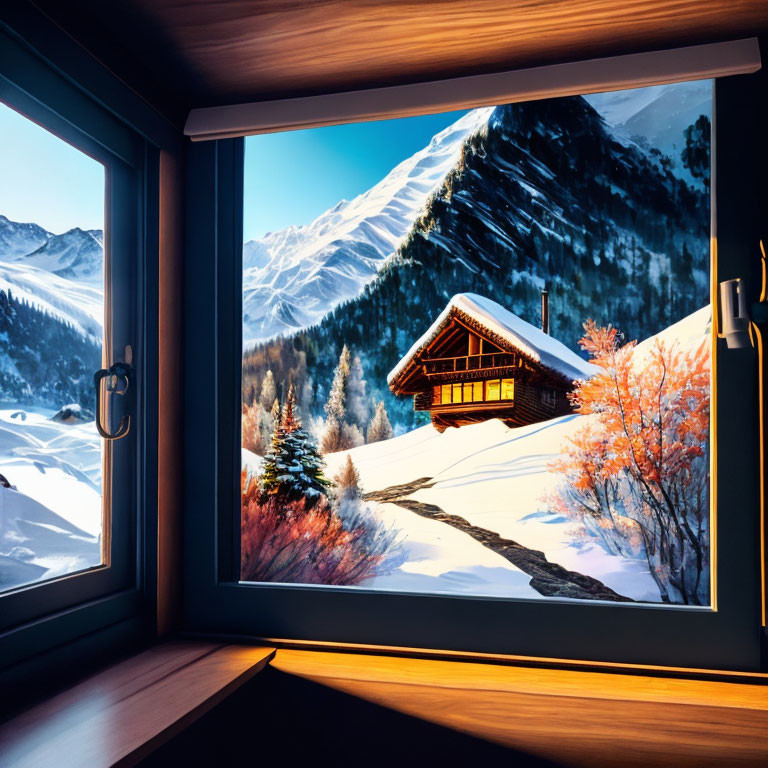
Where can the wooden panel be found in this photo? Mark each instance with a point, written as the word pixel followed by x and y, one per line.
pixel 170 484
pixel 574 718
pixel 211 53
pixel 121 714
pixel 290 45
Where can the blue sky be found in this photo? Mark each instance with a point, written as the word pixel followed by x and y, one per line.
pixel 293 177
pixel 45 180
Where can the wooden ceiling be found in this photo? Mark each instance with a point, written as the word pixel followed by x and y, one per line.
pixel 192 53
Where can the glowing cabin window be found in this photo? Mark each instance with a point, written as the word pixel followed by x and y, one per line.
pixel 507 389
pixel 477 391
pixel 446 398
pixel 492 389
pixel 467 393
pixel 457 393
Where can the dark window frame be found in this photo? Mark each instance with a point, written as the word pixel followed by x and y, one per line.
pixel 727 637
pixel 44 621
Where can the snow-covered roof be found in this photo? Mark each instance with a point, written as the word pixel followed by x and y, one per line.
pixel 529 340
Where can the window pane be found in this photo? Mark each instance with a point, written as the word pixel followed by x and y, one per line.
pixel 51 319
pixel 436 392
pixel 374 250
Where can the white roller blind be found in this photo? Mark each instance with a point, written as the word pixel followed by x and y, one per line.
pixel 698 62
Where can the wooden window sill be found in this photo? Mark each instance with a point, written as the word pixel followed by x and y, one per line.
pixel 120 715
pixel 573 718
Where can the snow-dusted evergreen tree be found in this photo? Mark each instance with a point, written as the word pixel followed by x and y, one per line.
pixel 335 407
pixel 331 439
pixel 358 407
pixel 351 436
pixel 347 482
pixel 275 412
pixel 293 469
pixel 380 428
pixel 268 390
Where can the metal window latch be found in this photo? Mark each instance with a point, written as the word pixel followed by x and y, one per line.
pixel 117 379
pixel 735 317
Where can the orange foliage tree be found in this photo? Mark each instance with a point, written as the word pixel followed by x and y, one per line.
pixel 636 475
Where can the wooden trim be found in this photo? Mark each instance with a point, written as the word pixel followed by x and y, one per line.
pixel 757 678
pixel 470 676
pixel 698 62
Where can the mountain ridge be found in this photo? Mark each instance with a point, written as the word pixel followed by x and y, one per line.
pixel 292 277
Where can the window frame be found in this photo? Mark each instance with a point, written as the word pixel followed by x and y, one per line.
pixel 49 79
pixel 727 636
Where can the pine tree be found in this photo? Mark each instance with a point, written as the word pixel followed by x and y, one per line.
pixel 695 154
pixel 293 469
pixel 290 420
pixel 334 408
pixel 348 481
pixel 271 471
pixel 380 428
pixel 357 403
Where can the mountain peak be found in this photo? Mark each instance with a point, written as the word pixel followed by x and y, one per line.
pixel 330 260
pixel 75 254
pixel 18 238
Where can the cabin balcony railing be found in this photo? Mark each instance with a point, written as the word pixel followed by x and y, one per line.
pixel 483 362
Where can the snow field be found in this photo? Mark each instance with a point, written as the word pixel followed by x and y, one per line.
pixel 50 524
pixel 494 477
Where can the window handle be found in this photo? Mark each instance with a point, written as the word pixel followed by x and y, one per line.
pixel 116 379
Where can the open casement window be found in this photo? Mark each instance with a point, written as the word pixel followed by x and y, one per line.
pixel 424 460
pixel 71 252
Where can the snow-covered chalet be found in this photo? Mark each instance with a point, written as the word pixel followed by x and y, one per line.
pixel 478 361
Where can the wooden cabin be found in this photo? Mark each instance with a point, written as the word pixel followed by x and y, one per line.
pixel 478 361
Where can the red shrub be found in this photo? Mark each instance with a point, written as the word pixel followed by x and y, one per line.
pixel 291 542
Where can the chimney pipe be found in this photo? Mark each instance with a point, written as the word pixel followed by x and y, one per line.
pixel 545 311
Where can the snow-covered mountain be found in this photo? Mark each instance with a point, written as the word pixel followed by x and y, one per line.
pixel 76 255
pixel 18 238
pixel 656 116
pixel 78 305
pixel 293 277
pixel 51 313
pixel 545 196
